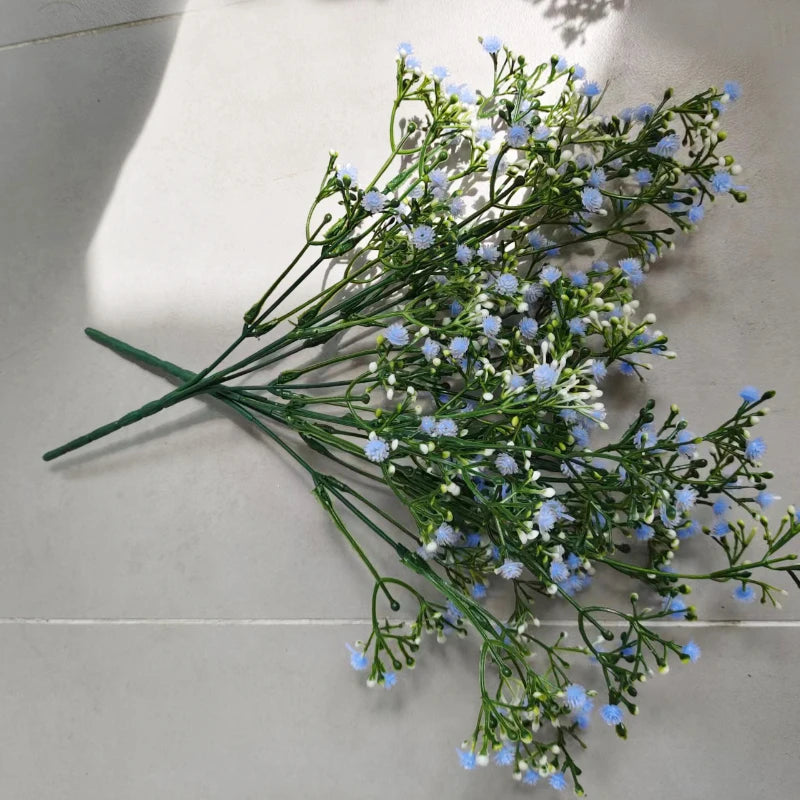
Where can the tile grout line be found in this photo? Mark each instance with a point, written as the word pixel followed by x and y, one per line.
pixel 132 23
pixel 56 37
pixel 334 622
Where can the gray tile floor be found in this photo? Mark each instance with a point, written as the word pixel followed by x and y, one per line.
pixel 172 614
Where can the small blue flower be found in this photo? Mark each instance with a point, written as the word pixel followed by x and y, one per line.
pixel 389 680
pixel 458 206
pixel 559 571
pixel 438 177
pixel 458 347
pixel 539 242
pixel 492 44
pixel 558 781
pixel 577 327
pixel 464 254
pixel 446 427
pixel 720 528
pixel 545 376
pixel 720 506
pixel 485 133
pixel 597 177
pixel 467 759
pixel 733 90
pixel 412 62
pixel 479 591
pixel 645 532
pixel 695 214
pixel 676 607
pixel 744 594
pixel 643 176
pixel 765 499
pixel 427 425
pixel 517 136
pixel 599 370
pixel 373 202
pixel 348 171
pixel 446 534
pixel 692 650
pixel 578 72
pixel 516 381
pixel 549 274
pixel 530 777
pixel 541 132
pixel 422 237
pixel 491 326
pixel 376 450
pixel 506 465
pixel 439 73
pixel 507 284
pixel 506 755
pixel 589 89
pixel 632 267
pixel 581 436
pixel 455 308
pixel 573 561
pixel 750 394
pixel 686 532
pixel 755 449
pixel 528 327
pixel 358 661
pixel 405 48
pixel 591 199
pixel 489 252
pixel 510 570
pixel 667 146
pixel 722 182
pixel 578 279
pixel 575 695
pixel 643 112
pixel 685 498
pixel 611 714
pixel 561 64
pixel 430 349
pixel 396 334
pixel 686 445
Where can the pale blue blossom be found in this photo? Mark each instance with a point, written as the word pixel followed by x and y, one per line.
pixel 396 334
pixel 492 44
pixel 349 172
pixel 491 326
pixel 545 376
pixel 464 254
pixel 632 267
pixel 373 202
pixel 510 570
pixel 667 146
pixel 458 347
pixel 517 136
pixel 358 661
pixel 611 714
pixel 528 327
pixel 591 199
pixel 755 449
pixel 506 465
pixel 431 349
pixel 422 237
pixel 376 450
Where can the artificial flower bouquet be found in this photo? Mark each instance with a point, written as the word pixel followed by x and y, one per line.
pixel 484 292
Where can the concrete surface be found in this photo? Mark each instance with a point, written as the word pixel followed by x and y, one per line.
pixel 172 614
